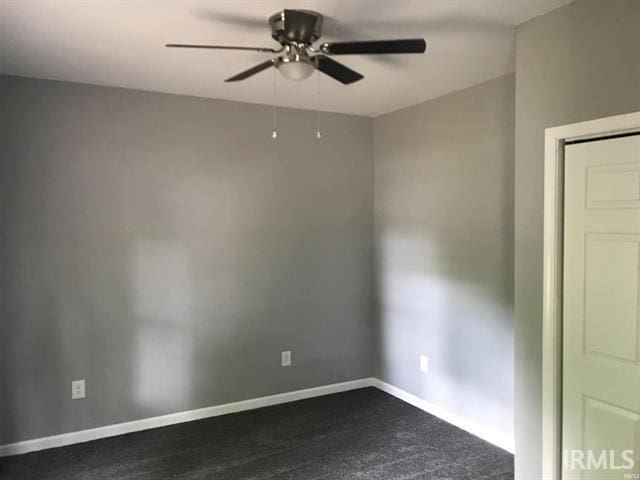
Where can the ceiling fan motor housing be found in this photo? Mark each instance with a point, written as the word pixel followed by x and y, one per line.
pixel 302 27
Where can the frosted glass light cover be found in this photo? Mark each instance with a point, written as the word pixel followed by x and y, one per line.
pixel 296 70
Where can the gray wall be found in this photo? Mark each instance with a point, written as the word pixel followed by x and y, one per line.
pixel 444 251
pixel 577 63
pixel 166 250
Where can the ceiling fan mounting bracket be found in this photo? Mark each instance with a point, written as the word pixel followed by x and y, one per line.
pixel 301 27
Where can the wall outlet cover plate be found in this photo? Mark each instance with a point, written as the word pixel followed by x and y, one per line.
pixel 286 358
pixel 424 364
pixel 77 389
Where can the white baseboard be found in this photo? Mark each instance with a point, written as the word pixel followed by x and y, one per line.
pixel 487 434
pixel 180 417
pixel 190 415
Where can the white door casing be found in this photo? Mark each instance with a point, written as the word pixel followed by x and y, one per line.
pixel 601 347
pixel 552 321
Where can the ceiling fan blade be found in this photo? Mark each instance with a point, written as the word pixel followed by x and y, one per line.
pixel 337 70
pixel 221 47
pixel 407 45
pixel 252 71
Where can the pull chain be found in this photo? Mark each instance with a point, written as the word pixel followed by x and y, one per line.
pixel 274 133
pixel 318 134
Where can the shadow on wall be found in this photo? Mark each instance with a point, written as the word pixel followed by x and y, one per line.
pixel 18 393
pixel 59 327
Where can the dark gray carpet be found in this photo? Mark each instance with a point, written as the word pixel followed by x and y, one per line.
pixel 362 434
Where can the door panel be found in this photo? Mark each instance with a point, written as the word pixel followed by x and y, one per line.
pixel 611 314
pixel 614 185
pixel 601 333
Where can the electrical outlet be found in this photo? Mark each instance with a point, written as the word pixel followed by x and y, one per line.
pixel 286 358
pixel 77 389
pixel 424 364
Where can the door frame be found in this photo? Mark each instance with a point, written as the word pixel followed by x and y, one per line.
pixel 555 140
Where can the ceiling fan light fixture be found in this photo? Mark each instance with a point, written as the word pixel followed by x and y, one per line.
pixel 296 69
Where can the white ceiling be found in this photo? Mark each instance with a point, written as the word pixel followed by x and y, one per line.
pixel 121 43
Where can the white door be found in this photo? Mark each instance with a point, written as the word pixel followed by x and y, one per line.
pixel 601 334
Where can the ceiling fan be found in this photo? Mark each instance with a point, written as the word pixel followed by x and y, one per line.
pixel 296 31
